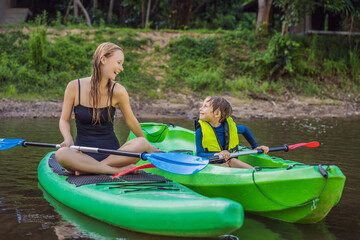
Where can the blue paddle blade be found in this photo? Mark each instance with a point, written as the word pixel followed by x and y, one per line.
pixel 177 163
pixel 9 143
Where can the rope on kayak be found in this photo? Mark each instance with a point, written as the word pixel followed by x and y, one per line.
pixel 313 202
pixel 158 135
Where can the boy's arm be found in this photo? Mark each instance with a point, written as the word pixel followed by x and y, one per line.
pixel 199 148
pixel 248 136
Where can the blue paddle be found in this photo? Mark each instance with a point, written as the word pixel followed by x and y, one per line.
pixel 177 163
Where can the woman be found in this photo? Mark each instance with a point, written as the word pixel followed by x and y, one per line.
pixel 94 100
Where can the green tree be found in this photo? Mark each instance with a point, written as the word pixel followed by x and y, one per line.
pixel 294 11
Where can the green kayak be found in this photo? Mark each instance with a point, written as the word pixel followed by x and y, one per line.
pixel 142 202
pixel 279 189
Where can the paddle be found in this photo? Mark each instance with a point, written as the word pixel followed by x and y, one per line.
pixel 285 148
pixel 275 149
pixel 178 163
pixel 150 165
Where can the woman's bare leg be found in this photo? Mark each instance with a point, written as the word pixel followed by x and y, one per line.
pixel 139 145
pixel 80 163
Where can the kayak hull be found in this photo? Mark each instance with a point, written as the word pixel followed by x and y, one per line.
pixel 279 189
pixel 167 209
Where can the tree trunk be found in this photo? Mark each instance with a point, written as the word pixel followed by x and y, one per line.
pixel 95 4
pixel 192 12
pixel 285 29
pixel 198 7
pixel 285 26
pixel 181 12
pixel 76 10
pixel 263 17
pixel 154 6
pixel 79 4
pixel 172 15
pixel 148 13
pixel 143 13
pixel 121 10
pixel 111 6
pixel 68 10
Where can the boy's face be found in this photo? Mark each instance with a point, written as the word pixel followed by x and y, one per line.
pixel 206 111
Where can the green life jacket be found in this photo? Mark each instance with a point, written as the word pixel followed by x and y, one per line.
pixel 210 142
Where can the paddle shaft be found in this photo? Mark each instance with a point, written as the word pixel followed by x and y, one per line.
pixel 85 149
pixel 171 162
pixel 236 154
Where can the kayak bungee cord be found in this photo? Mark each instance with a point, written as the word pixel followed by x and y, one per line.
pixel 313 202
pixel 157 135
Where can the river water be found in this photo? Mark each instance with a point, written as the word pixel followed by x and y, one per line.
pixel 26 212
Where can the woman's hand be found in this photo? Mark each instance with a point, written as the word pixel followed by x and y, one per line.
pixel 224 153
pixel 154 149
pixel 264 148
pixel 67 143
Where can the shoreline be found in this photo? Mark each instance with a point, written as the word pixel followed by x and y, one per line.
pixel 188 107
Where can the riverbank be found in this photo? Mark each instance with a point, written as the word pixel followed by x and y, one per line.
pixel 182 106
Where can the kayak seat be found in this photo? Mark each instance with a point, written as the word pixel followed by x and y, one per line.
pixel 155 133
pixel 103 178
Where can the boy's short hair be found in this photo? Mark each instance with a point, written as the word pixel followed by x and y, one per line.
pixel 221 104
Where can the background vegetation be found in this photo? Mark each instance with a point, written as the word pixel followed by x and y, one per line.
pixel 39 58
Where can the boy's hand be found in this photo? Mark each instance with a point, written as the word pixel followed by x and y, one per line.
pixel 264 148
pixel 224 153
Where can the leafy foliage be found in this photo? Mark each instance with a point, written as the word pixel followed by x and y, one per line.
pixel 242 62
pixel 33 64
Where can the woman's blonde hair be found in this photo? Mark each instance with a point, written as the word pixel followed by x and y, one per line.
pixel 106 49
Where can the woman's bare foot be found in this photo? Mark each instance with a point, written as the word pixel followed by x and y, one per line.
pixel 78 173
pixel 130 166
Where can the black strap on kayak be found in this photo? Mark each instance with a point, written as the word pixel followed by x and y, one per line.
pixel 156 188
pixel 142 186
pixel 313 202
pixel 132 183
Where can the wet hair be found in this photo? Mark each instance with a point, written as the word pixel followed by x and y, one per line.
pixel 106 49
pixel 219 103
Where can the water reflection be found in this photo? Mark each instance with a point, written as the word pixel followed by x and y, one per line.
pixel 25 213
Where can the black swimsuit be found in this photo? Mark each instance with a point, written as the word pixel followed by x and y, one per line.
pixel 95 135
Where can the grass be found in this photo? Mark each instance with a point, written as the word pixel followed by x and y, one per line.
pixel 324 102
pixel 37 62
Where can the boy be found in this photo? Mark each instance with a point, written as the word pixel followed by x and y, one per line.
pixel 218 133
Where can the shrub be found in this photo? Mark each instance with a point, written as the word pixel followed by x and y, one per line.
pixel 38 49
pixel 211 80
pixel 355 64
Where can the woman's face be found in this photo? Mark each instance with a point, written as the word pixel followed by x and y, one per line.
pixel 113 65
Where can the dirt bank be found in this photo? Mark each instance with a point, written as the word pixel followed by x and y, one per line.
pixel 183 106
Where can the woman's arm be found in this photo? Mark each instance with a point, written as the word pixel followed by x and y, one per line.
pixel 121 97
pixel 64 122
